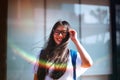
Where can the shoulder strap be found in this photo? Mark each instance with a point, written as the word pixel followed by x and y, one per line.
pixel 73 58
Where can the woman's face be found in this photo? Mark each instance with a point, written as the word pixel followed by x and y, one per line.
pixel 59 34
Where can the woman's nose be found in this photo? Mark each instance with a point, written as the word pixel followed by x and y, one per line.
pixel 60 35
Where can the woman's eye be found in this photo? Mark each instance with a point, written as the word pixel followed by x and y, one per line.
pixel 60 32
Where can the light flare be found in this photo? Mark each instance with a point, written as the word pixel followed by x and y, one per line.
pixel 32 59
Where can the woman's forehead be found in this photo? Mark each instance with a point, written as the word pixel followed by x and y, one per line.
pixel 61 28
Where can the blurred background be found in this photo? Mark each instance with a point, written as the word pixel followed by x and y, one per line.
pixel 29 23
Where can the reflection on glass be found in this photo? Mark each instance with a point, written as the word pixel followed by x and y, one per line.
pixel 95 35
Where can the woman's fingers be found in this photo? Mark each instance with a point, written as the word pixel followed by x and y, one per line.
pixel 73 34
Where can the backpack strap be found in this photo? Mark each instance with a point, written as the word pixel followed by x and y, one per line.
pixel 73 58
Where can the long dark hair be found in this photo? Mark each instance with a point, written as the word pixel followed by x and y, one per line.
pixel 55 55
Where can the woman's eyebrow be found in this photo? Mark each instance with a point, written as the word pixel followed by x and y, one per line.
pixel 60 30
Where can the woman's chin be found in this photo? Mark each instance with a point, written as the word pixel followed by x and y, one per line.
pixel 58 43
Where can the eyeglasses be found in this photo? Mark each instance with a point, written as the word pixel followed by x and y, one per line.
pixel 58 32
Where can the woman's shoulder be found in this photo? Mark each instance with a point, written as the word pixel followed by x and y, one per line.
pixel 41 52
pixel 73 51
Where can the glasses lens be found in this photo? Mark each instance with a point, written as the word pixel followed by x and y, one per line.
pixel 58 32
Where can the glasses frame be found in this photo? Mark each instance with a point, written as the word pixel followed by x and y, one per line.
pixel 58 32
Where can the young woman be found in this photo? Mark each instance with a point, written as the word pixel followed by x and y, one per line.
pixel 55 60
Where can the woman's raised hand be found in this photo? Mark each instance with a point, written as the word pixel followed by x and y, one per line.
pixel 73 35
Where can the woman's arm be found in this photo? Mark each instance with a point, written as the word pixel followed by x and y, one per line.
pixel 86 59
